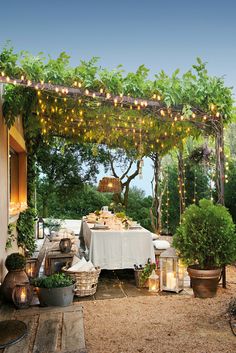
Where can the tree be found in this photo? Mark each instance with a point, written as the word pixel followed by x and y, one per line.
pixel 130 169
pixel 63 169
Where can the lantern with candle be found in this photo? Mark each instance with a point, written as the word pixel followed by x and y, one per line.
pixel 65 245
pixel 22 295
pixel 40 228
pixel 153 282
pixel 171 272
pixel 31 267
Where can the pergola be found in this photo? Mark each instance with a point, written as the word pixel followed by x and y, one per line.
pixel 131 112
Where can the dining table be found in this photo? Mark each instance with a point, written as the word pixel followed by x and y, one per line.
pixel 112 249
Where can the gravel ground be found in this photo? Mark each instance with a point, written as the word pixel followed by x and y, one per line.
pixel 161 324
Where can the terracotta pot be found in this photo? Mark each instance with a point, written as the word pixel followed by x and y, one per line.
pixel 12 278
pixel 204 282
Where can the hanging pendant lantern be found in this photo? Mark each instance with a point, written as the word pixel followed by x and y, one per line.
pixel 110 184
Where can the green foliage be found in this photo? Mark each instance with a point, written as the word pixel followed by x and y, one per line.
pixel 15 261
pixel 57 280
pixel 147 270
pixel 194 89
pixel 206 236
pixel 139 207
pixel 230 189
pixel 52 224
pixel 11 236
pixel 72 205
pixel 26 231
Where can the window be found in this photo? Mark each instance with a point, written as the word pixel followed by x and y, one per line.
pixel 14 176
pixel 17 169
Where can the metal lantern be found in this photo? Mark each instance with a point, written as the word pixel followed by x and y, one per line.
pixel 171 272
pixel 22 295
pixel 31 267
pixel 153 282
pixel 110 184
pixel 65 245
pixel 40 228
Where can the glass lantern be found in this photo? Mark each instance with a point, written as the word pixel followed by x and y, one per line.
pixel 65 245
pixel 31 267
pixel 153 282
pixel 22 295
pixel 40 228
pixel 171 272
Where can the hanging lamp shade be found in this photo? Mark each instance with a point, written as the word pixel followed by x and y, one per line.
pixel 109 184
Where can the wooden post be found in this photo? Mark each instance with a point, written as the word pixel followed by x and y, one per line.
pixel 181 182
pixel 220 176
pixel 155 210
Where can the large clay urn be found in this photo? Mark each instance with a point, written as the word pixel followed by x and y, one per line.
pixel 12 278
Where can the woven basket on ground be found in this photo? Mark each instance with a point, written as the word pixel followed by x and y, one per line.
pixel 85 282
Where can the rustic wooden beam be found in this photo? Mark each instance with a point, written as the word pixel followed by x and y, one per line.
pixel 220 176
pixel 122 100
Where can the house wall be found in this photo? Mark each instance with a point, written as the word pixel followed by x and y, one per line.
pixel 4 190
pixel 14 138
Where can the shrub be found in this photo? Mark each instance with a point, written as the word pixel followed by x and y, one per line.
pixel 25 230
pixel 206 236
pixel 56 280
pixel 15 261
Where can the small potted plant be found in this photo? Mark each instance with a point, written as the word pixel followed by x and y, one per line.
pixel 206 241
pixel 142 273
pixel 55 290
pixel 15 264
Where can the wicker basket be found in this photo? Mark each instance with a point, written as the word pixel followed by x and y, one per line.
pixel 85 282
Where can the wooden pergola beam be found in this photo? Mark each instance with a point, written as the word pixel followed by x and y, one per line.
pixel 122 100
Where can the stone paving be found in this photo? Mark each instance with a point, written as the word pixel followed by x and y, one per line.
pixel 120 284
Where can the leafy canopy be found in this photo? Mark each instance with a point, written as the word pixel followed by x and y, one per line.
pixel 182 99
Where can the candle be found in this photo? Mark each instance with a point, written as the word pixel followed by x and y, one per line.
pixel 30 272
pixel 23 295
pixel 170 280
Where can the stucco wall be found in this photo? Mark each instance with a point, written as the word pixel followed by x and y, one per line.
pixel 4 191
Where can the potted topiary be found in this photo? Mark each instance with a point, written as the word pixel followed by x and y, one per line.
pixel 206 241
pixel 55 290
pixel 15 264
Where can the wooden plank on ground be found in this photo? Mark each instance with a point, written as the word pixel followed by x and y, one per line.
pixel 73 332
pixel 47 333
pixel 6 312
pixel 24 345
pixel 50 309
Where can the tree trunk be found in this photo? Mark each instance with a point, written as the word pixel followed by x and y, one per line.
pixel 181 182
pixel 155 211
pixel 220 176
pixel 220 164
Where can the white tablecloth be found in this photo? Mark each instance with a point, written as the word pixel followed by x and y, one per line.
pixel 113 249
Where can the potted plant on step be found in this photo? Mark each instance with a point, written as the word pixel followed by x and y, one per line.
pixel 55 290
pixel 15 264
pixel 206 241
